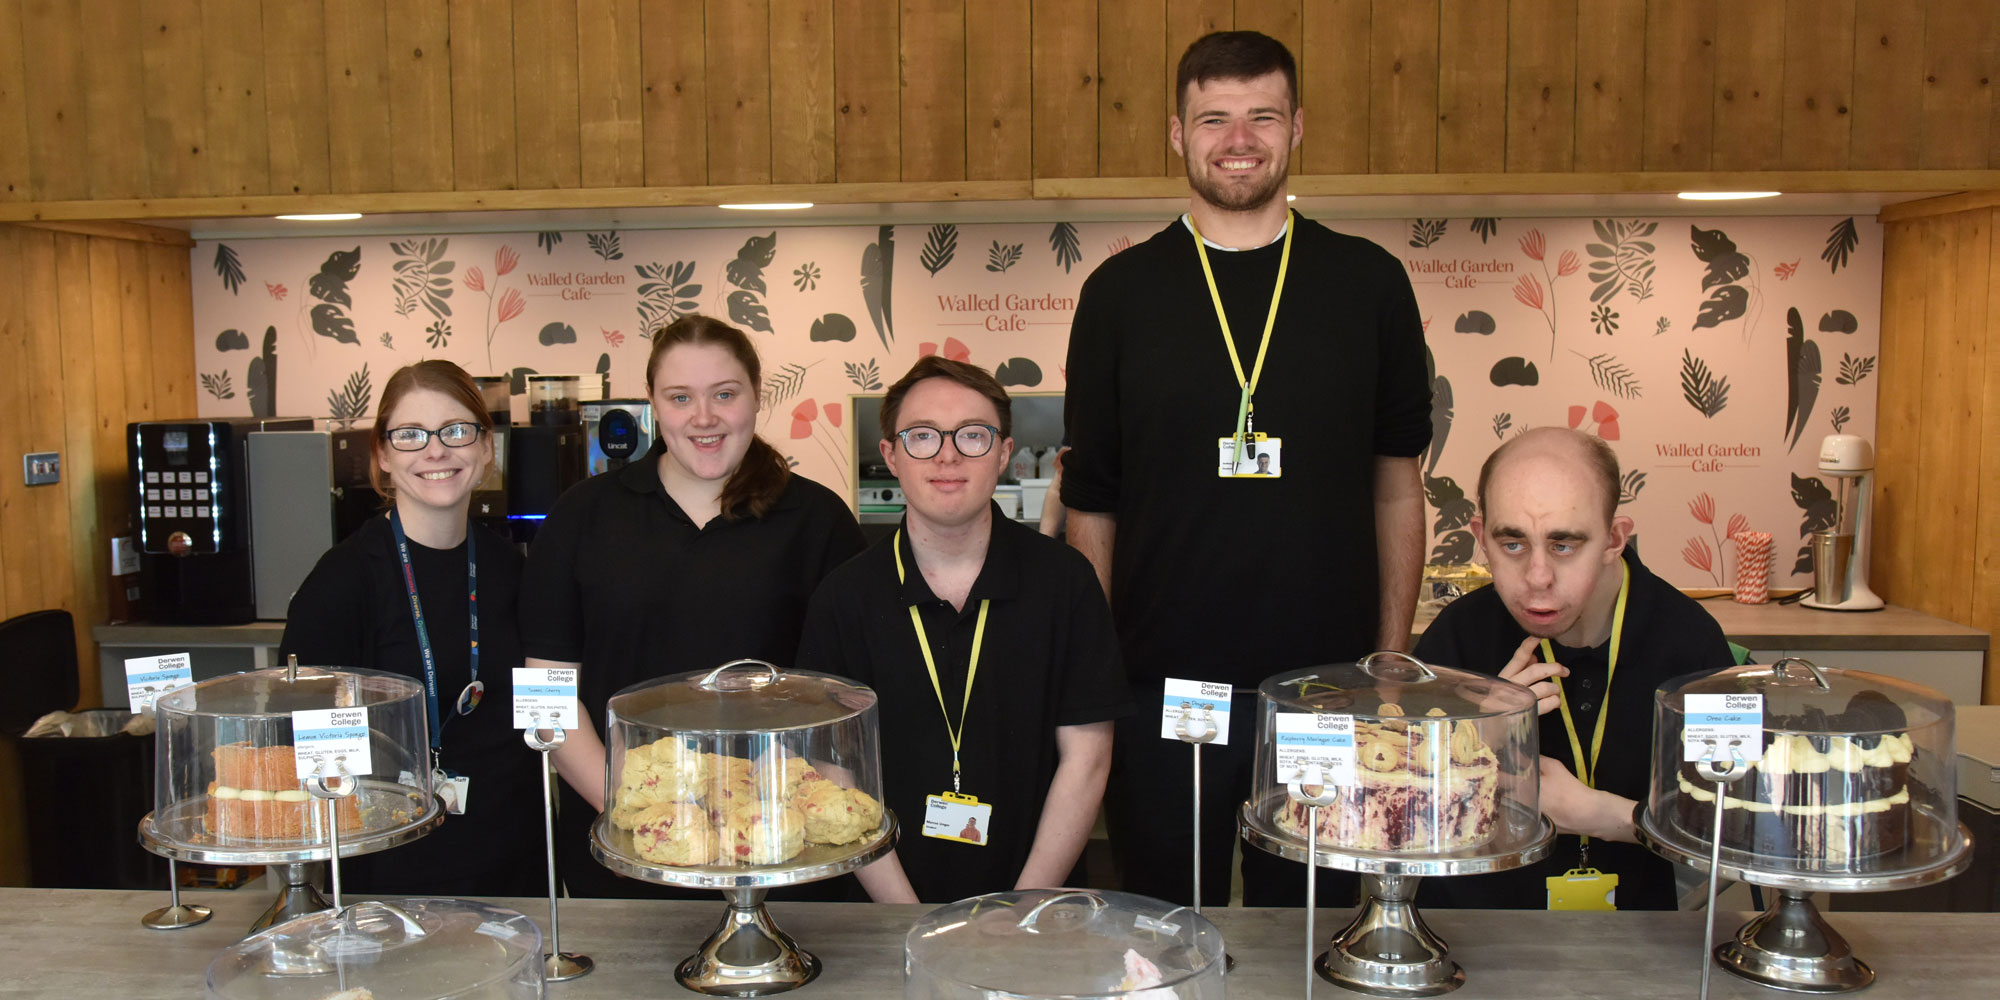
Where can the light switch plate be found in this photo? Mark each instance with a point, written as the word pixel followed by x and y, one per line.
pixel 39 468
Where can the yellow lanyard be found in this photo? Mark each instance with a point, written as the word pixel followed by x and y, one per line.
pixel 1588 775
pixel 1243 406
pixel 957 733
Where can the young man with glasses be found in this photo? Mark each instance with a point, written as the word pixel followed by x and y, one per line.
pixel 991 649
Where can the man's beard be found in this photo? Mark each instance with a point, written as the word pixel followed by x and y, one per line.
pixel 1233 198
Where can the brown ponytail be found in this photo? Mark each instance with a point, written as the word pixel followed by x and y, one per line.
pixel 761 478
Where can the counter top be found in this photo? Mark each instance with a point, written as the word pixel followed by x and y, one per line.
pixel 153 634
pixel 1795 627
pixel 80 942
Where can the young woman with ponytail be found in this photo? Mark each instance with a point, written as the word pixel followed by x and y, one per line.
pixel 704 551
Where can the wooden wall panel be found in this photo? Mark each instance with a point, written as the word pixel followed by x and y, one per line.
pixel 739 91
pixel 1134 93
pixel 1473 109
pixel 114 70
pixel 1065 97
pixel 549 152
pixel 418 55
pixel 135 311
pixel 14 183
pixel 1333 86
pixel 20 567
pixel 239 148
pixel 1402 99
pixel 1540 97
pixel 931 97
pixel 1959 58
pixel 1188 20
pixel 610 132
pixel 999 127
pixel 1610 84
pixel 802 111
pixel 1888 85
pixel 58 136
pixel 295 96
pixel 673 91
pixel 1680 79
pixel 1819 72
pixel 1986 537
pixel 1751 86
pixel 88 544
pixel 483 121
pixel 170 45
pixel 357 89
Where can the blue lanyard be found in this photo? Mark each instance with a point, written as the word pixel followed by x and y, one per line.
pixel 469 699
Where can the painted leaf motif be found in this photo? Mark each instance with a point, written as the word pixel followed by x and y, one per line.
pixel 1802 386
pixel 1724 304
pixel 330 321
pixel 229 267
pixel 1818 508
pixel 1840 241
pixel 330 284
pixel 1455 549
pixel 1063 240
pixel 746 310
pixel 1718 251
pixel 939 247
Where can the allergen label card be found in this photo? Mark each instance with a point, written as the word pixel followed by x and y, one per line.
pixel 544 697
pixel 149 677
pixel 1306 739
pixel 1204 704
pixel 1718 723
pixel 331 734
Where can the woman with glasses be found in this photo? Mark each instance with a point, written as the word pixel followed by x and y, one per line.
pixel 704 551
pixel 402 595
pixel 992 651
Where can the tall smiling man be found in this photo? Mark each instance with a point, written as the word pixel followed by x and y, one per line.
pixel 991 650
pixel 1240 329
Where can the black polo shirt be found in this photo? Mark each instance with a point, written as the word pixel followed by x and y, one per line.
pixel 1049 659
pixel 620 580
pixel 1666 635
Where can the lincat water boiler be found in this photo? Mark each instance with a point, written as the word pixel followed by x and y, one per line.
pixel 190 483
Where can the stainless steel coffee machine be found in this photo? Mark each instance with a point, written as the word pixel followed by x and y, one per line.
pixel 308 489
pixel 548 454
pixel 1840 554
pixel 190 487
pixel 619 431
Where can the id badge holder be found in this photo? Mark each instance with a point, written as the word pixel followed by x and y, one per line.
pixel 963 818
pixel 1583 889
pixel 1262 457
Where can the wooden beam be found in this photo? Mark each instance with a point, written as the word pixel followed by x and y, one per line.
pixel 1964 201
pixel 133 231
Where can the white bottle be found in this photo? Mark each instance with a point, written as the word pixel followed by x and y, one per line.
pixel 1048 463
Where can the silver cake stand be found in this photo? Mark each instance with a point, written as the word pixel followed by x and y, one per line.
pixel 1387 950
pixel 747 955
pixel 392 814
pixel 1790 946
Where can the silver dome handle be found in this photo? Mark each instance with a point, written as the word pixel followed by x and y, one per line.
pixel 1818 676
pixel 1367 663
pixel 1027 922
pixel 710 681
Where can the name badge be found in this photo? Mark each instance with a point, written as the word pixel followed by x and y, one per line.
pixel 951 816
pixel 1260 458
pixel 1583 889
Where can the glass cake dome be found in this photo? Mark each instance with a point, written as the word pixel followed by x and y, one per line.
pixel 1855 776
pixel 226 781
pixel 719 774
pixel 1062 943
pixel 379 950
pixel 1444 763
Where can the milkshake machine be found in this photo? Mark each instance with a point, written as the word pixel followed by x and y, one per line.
pixel 1840 554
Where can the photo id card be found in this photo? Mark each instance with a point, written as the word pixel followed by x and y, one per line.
pixel 1583 889
pixel 1260 457
pixel 1204 705
pixel 951 816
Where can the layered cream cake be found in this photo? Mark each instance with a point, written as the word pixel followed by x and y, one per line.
pixel 257 795
pixel 1423 785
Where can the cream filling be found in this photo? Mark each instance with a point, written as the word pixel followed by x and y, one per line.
pixel 1840 809
pixel 1793 753
pixel 228 794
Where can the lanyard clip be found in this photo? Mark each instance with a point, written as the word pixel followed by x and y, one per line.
pixel 954 773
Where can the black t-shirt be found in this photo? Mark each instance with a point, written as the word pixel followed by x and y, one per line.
pixel 353 610
pixel 1203 565
pixel 1666 635
pixel 620 579
pixel 1049 659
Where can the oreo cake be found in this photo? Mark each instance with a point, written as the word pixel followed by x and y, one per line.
pixel 1828 790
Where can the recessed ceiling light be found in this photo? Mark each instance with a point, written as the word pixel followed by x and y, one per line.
pixel 1726 195
pixel 322 217
pixel 770 206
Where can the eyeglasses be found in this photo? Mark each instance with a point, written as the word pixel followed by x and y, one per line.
pixel 972 440
pixel 454 435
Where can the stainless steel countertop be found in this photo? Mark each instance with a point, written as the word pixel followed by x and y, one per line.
pixel 79 942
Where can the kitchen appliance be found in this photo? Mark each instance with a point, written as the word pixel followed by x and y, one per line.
pixel 548 454
pixel 190 483
pixel 308 490
pixel 1840 554
pixel 618 432
pixel 489 495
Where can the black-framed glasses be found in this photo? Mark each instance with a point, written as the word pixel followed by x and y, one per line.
pixel 454 435
pixel 971 440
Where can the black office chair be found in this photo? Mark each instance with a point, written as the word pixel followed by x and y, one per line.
pixel 38 656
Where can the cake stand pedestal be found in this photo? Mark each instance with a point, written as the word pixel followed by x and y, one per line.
pixel 391 815
pixel 1790 946
pixel 1387 950
pixel 747 955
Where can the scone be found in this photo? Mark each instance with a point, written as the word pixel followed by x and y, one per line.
pixel 756 836
pixel 674 833
pixel 662 771
pixel 836 815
